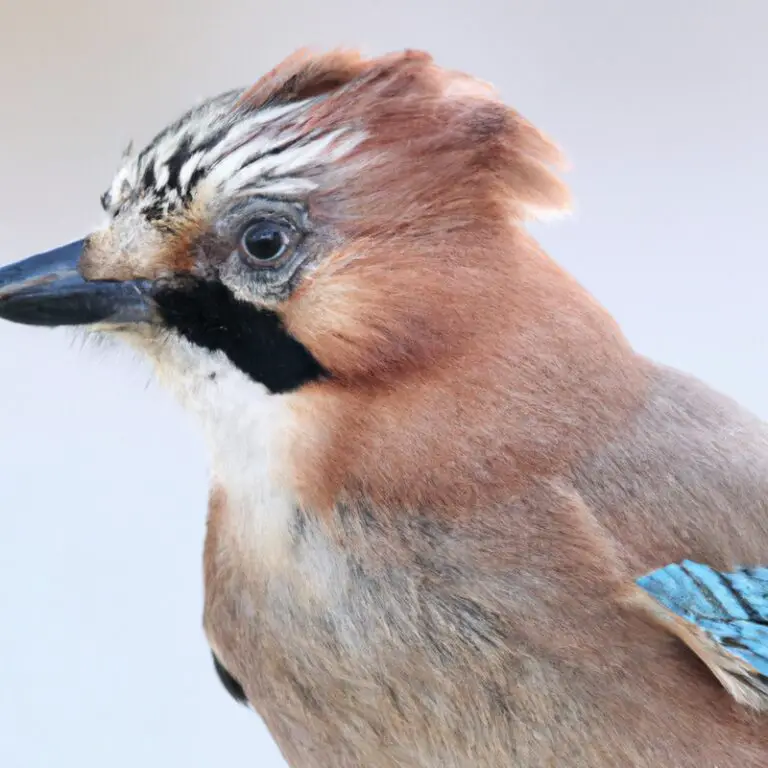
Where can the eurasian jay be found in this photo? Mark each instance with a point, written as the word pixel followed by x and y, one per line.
pixel 455 520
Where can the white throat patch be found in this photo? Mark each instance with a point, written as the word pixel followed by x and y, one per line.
pixel 248 433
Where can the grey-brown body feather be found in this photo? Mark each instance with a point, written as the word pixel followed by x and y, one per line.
pixel 503 639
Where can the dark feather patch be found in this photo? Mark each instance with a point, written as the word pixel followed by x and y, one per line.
pixel 234 689
pixel 206 313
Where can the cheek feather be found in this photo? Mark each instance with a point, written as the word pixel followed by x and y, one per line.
pixel 538 378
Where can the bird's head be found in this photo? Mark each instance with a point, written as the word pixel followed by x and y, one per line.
pixel 344 221
pixel 340 218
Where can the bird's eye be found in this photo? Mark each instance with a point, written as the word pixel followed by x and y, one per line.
pixel 265 243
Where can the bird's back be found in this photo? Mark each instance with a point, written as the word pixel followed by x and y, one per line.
pixel 687 478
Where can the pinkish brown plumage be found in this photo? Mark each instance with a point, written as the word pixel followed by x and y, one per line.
pixel 438 468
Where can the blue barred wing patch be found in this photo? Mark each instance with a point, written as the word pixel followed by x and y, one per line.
pixel 723 617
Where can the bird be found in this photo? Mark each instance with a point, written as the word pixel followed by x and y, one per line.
pixel 455 519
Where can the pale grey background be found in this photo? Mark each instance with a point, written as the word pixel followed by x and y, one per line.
pixel 662 107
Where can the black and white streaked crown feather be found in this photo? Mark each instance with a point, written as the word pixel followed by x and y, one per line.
pixel 226 148
pixel 722 617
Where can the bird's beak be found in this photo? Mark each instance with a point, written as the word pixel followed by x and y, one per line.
pixel 48 289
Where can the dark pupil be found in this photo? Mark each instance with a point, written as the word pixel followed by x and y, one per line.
pixel 263 243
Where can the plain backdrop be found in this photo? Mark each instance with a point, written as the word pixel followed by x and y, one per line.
pixel 662 107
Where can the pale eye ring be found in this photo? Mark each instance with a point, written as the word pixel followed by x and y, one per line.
pixel 265 243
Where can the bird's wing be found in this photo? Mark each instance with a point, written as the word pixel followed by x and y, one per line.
pixel 722 617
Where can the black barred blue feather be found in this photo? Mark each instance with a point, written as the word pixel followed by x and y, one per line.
pixel 723 617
